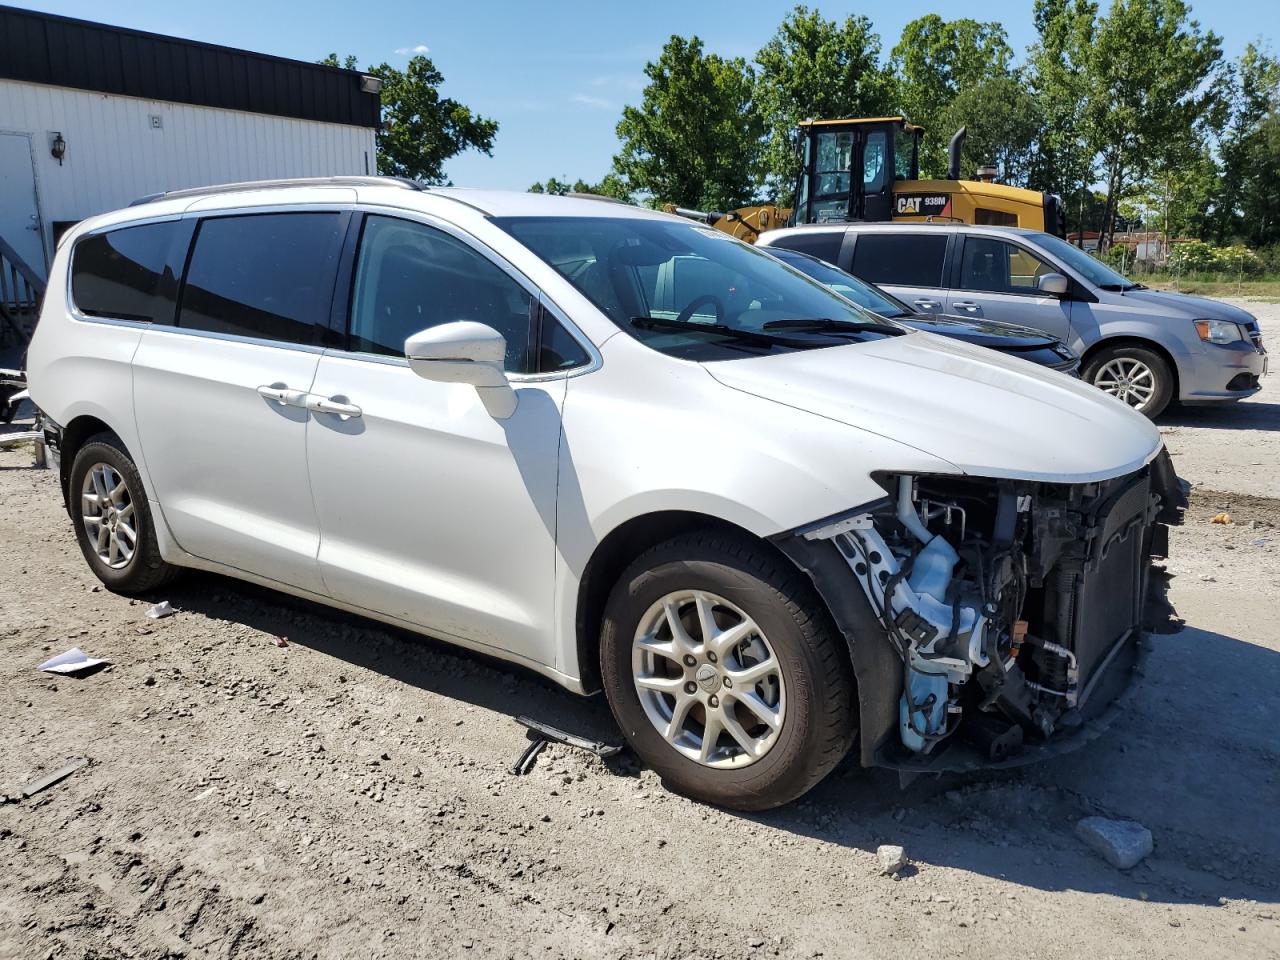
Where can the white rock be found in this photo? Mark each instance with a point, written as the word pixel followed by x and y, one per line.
pixel 1122 843
pixel 892 858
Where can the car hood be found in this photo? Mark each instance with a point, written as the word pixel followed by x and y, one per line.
pixel 1194 308
pixel 986 413
pixel 986 333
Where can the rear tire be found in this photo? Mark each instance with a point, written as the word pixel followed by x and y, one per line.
pixel 794 704
pixel 1137 375
pixel 113 519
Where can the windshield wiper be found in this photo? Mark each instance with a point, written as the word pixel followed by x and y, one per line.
pixel 747 336
pixel 1121 287
pixel 827 325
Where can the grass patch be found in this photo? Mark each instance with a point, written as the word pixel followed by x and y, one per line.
pixel 1216 285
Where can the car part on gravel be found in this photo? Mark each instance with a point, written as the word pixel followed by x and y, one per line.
pixel 526 760
pixel 27 790
pixel 547 732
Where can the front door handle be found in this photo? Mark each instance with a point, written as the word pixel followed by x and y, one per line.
pixel 281 394
pixel 333 405
pixel 926 303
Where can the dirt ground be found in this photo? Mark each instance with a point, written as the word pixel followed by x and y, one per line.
pixel 348 795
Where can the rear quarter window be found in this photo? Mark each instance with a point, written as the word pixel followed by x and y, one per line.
pixel 823 244
pixel 906 260
pixel 129 273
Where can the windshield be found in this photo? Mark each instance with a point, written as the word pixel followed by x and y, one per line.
pixel 691 291
pixel 845 284
pixel 1095 271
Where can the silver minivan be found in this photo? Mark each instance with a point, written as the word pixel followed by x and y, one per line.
pixel 1143 346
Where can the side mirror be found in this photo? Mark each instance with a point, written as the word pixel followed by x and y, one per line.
pixel 465 352
pixel 1053 284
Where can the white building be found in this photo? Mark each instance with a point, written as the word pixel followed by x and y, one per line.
pixel 92 117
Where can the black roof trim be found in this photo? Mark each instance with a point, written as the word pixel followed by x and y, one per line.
pixel 45 48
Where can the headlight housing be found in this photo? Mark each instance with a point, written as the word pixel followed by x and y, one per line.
pixel 1219 331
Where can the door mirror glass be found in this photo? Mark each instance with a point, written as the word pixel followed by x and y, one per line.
pixel 1053 284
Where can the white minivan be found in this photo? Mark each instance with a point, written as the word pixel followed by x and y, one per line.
pixel 620 448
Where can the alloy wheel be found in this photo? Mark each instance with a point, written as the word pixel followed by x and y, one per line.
pixel 108 516
pixel 1127 379
pixel 708 679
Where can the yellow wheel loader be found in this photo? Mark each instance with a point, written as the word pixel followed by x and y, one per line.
pixel 869 170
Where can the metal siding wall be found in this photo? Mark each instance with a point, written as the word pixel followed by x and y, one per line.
pixel 114 156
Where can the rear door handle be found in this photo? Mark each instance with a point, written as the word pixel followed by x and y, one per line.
pixel 967 305
pixel 282 395
pixel 333 405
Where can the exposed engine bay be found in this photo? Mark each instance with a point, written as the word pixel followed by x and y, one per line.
pixel 1013 608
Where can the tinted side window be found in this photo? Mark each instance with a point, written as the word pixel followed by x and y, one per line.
pixel 999 267
pixel 410 277
pixel 128 274
pixel 908 259
pixel 823 244
pixel 263 275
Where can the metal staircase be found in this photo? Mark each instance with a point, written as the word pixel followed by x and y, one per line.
pixel 21 291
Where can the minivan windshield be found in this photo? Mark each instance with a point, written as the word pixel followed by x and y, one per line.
pixel 1093 270
pixel 693 292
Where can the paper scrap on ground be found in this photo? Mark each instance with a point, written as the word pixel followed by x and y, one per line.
pixel 73 661
pixel 161 609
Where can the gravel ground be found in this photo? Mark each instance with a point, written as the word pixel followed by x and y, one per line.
pixel 348 794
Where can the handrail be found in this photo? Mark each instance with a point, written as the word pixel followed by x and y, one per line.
pixel 12 256
pixel 21 290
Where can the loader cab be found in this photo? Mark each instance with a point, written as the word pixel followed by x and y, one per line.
pixel 849 167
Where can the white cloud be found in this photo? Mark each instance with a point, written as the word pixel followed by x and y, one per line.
pixel 412 51
pixel 600 103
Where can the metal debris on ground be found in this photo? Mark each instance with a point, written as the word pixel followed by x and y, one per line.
pixel 25 790
pixel 526 761
pixel 601 749
pixel 161 609
pixel 540 734
pixel 74 660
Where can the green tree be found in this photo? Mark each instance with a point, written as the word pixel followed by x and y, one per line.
pixel 611 186
pixel 1153 88
pixel 421 129
pixel 695 138
pixel 1247 204
pixel 1058 71
pixel 935 62
pixel 814 68
pixel 1003 123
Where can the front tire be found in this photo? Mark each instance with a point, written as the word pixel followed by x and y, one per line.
pixel 725 672
pixel 1138 376
pixel 113 519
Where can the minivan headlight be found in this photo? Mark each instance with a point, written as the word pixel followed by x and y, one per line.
pixel 1218 331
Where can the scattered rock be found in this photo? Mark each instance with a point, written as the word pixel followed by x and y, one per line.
pixel 1122 843
pixel 1223 518
pixel 892 859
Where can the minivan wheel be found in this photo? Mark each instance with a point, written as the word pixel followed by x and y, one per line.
pixel 725 672
pixel 113 519
pixel 1136 375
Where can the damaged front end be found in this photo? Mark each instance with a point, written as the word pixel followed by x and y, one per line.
pixel 993 621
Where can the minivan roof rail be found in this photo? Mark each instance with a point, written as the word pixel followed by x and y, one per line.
pixel 344 181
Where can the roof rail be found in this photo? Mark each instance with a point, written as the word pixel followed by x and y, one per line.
pixel 343 181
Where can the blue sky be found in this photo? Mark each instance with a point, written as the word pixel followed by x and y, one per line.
pixel 554 74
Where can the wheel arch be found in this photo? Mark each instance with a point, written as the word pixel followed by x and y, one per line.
pixel 74 436
pixel 611 557
pixel 1134 341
